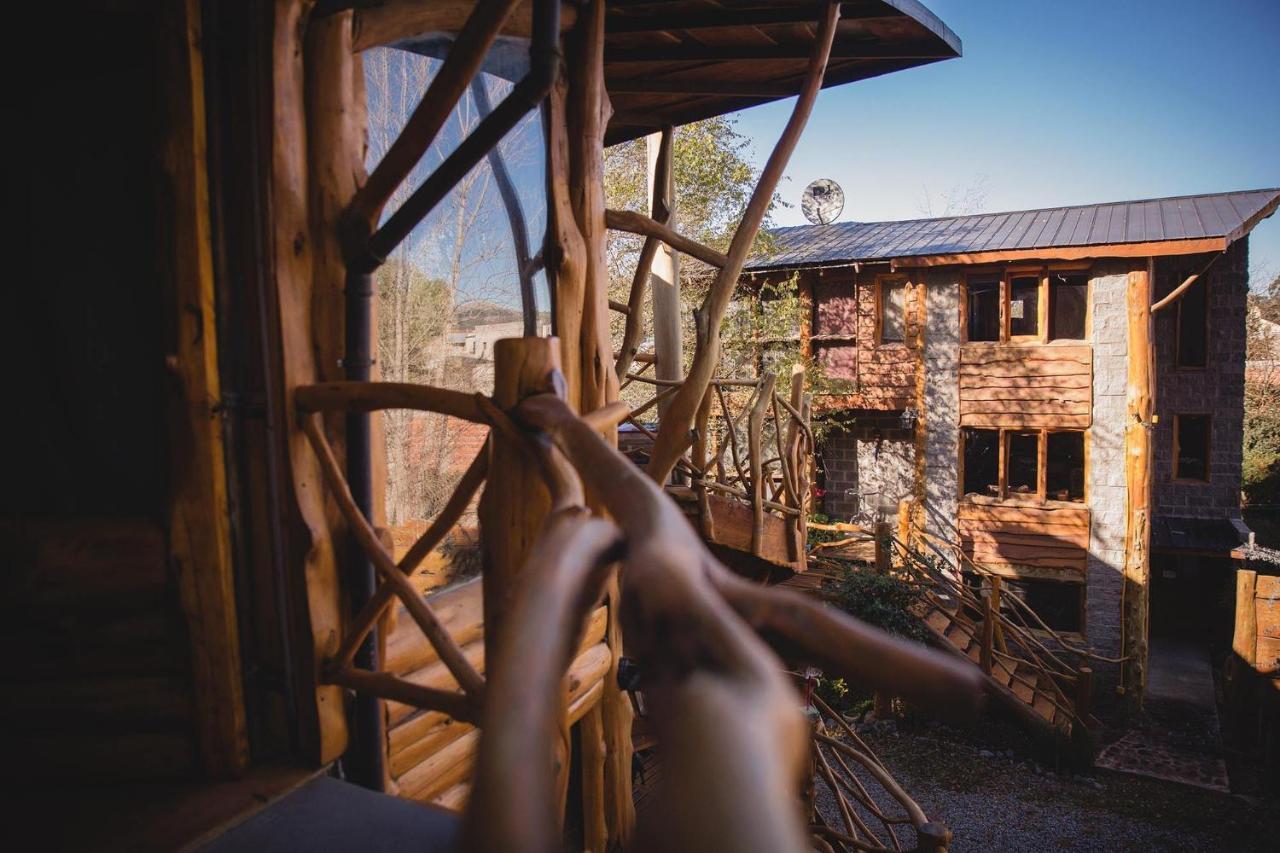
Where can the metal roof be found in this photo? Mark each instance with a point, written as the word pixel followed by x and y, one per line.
pixel 1227 216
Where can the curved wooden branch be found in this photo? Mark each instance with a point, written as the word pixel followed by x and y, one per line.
pixel 422 614
pixel 431 537
pixel 376 396
pixel 456 72
pixel 673 440
pixel 563 578
pixel 652 229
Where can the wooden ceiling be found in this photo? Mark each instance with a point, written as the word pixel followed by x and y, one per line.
pixel 676 61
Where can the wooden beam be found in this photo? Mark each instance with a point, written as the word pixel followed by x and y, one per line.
pixel 694 52
pixel 391 21
pixel 1244 641
pixel 1140 401
pixel 673 439
pixel 311 546
pixel 700 86
pixel 638 223
pixel 1176 294
pixel 199 521
pixel 1068 253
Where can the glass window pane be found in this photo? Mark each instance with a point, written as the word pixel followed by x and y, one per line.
pixel 1024 305
pixel 892 311
pixel 1064 466
pixel 1023 467
pixel 982 462
pixel 1193 326
pixel 1191 435
pixel 984 311
pixel 1068 305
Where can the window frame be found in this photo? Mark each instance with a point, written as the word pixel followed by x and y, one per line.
pixel 1041 495
pixel 1208 448
pixel 878 333
pixel 1043 303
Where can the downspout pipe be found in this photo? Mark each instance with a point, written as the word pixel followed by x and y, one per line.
pixel 365 760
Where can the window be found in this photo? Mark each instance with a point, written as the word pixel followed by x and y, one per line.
pixel 984 310
pixel 1193 326
pixel 1059 605
pixel 1064 466
pixel 1191 447
pixel 1023 464
pixel 893 297
pixel 1024 306
pixel 1027 306
pixel 982 462
pixel 1068 305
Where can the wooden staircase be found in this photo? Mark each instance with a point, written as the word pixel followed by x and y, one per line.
pixel 1031 672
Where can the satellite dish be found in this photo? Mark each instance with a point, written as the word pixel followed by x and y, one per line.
pixel 822 202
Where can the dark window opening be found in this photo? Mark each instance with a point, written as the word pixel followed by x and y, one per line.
pixel 982 462
pixel 1193 326
pixel 1023 466
pixel 1024 305
pixel 984 311
pixel 1191 447
pixel 1059 605
pixel 1068 305
pixel 1064 467
pixel 892 311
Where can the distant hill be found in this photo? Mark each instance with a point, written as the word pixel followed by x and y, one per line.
pixel 482 312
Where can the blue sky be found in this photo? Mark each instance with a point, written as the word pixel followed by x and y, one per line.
pixel 1056 103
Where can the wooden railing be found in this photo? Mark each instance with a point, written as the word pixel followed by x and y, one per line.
pixel 718 698
pixel 751 444
pixel 1010 631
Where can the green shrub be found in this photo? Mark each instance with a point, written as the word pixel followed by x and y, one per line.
pixel 881 600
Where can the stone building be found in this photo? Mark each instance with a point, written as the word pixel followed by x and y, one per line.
pixel 984 367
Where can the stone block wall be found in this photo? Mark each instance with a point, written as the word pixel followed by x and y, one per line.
pixel 872 457
pixel 1106 472
pixel 941 415
pixel 1216 390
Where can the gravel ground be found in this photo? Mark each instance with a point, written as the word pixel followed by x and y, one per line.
pixel 983 785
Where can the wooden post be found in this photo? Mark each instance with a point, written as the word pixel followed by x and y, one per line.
pixel 755 458
pixel 199 520
pixel 1244 640
pixel 515 500
pixel 988 633
pixel 1140 397
pixel 595 828
pixel 664 278
pixel 883 546
pixel 933 837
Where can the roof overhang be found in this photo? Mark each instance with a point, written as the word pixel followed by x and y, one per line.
pixel 670 62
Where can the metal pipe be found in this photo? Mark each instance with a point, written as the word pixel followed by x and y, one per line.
pixel 363 762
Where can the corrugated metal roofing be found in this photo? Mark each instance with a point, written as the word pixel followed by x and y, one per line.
pixel 1218 215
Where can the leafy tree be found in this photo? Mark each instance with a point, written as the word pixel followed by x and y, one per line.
pixel 713 183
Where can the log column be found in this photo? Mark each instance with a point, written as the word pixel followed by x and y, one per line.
pixel 664 277
pixel 1137 447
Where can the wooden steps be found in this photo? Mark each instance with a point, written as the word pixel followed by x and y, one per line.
pixel 1019 683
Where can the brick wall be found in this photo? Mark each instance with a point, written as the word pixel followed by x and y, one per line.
pixel 1217 389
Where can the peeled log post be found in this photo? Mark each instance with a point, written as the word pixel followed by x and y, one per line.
pixel 754 458
pixel 1140 398
pixel 515 500
pixel 673 439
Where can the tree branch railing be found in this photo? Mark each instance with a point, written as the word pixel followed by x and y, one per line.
pixel 756 449
pixel 702 636
pixel 1007 628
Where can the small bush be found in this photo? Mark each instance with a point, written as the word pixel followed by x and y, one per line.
pixel 881 600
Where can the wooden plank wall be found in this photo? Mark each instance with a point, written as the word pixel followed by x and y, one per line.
pixel 100 683
pixel 429 755
pixel 1026 386
pixel 1046 541
pixel 844 342
pixel 1267 606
